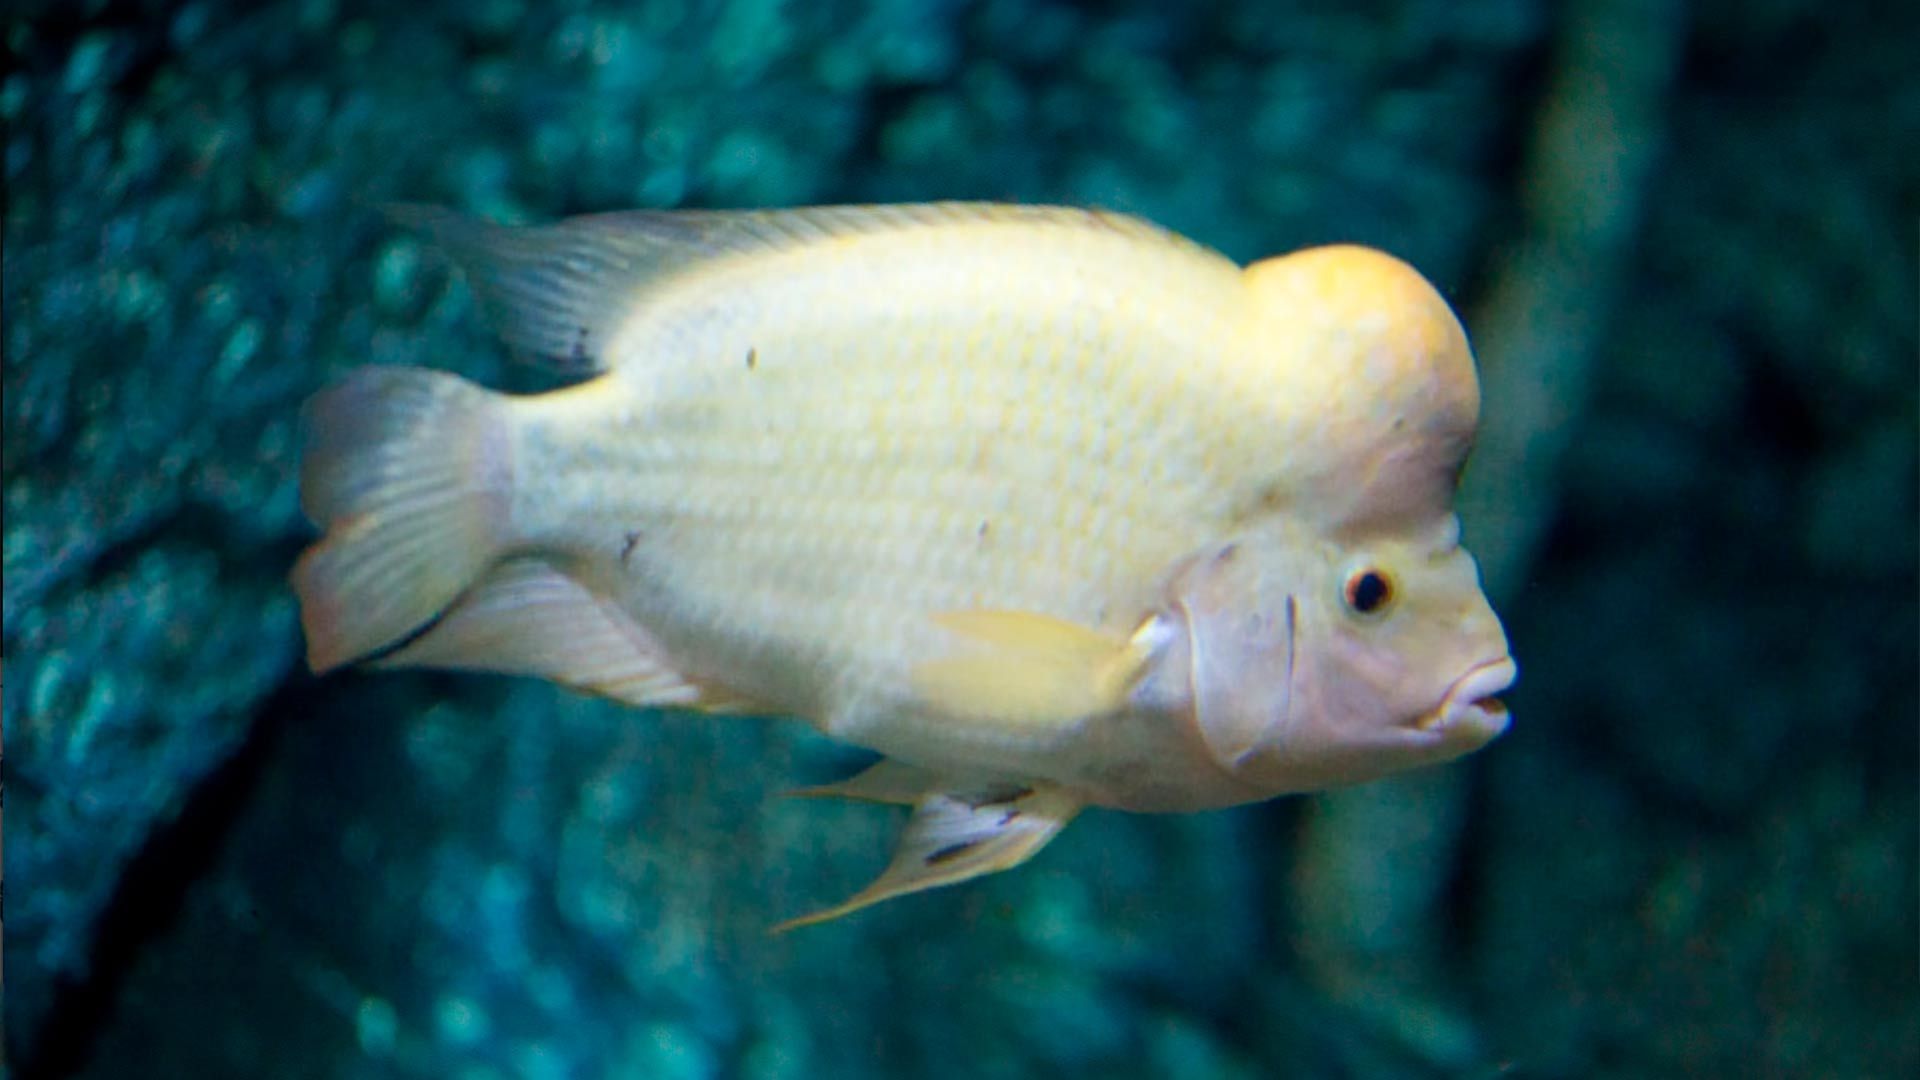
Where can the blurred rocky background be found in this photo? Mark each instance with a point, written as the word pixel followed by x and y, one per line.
pixel 1684 236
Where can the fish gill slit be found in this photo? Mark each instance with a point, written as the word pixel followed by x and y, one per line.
pixel 1293 640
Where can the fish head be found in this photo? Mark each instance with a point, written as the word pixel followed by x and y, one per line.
pixel 1316 664
pixel 1378 394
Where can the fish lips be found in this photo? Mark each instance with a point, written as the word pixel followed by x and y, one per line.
pixel 1471 711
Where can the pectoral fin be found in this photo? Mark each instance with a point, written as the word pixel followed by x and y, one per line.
pixel 954 836
pixel 1035 671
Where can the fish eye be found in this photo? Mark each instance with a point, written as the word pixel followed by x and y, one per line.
pixel 1369 591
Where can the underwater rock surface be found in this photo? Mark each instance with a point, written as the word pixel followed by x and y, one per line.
pixel 1693 852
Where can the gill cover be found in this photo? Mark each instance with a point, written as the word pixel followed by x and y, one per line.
pixel 1240 620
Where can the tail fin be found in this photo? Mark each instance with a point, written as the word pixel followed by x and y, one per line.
pixel 408 472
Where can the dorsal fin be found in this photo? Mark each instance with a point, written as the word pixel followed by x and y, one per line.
pixel 557 293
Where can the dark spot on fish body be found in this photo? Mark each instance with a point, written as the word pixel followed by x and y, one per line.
pixel 753 358
pixel 632 540
pixel 578 356
pixel 951 851
pixel 1271 498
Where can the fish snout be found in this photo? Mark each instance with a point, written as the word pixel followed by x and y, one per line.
pixel 1472 708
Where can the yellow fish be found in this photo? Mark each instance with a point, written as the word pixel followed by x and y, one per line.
pixel 1050 507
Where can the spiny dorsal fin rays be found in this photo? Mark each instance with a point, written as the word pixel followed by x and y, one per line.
pixel 954 836
pixel 557 293
pixel 1037 671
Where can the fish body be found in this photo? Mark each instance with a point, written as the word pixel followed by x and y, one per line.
pixel 1049 507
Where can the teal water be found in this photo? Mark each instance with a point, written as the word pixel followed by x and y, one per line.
pixel 1681 236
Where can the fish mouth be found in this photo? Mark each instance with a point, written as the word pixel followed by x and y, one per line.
pixel 1472 706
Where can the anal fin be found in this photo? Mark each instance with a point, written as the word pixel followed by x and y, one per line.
pixel 525 617
pixel 956 835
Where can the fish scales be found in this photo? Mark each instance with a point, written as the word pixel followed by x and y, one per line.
pixel 869 468
pixel 1052 508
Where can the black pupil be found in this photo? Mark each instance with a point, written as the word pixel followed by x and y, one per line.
pixel 1368 592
